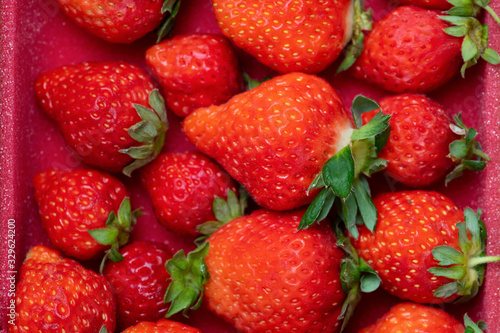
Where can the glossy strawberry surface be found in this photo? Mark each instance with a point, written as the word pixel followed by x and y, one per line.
pixel 55 294
pixel 195 70
pixel 274 139
pixel 73 202
pixel 267 276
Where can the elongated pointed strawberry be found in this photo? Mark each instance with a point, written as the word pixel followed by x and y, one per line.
pixel 84 212
pixel 102 110
pixel 121 21
pixel 416 50
pixel 425 249
pixel 55 294
pixel 275 139
pixel 424 144
pixel 195 70
pixel 297 37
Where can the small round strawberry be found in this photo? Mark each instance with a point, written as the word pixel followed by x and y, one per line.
pixel 413 49
pixel 421 249
pixel 73 202
pixel 139 282
pixel 415 318
pixel 195 70
pixel 101 108
pixel 300 36
pixel 424 143
pixel 182 188
pixel 161 326
pixel 118 21
pixel 59 295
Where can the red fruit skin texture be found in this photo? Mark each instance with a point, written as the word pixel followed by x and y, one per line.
pixel 415 318
pixel 410 224
pixel 139 282
pixel 55 294
pixel 195 70
pixel 161 326
pixel 429 4
pixel 274 139
pixel 182 188
pixel 92 102
pixel 71 202
pixel 266 276
pixel 419 141
pixel 408 51
pixel 119 21
pixel 296 36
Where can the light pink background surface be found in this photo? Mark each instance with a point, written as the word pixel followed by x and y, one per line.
pixel 36 36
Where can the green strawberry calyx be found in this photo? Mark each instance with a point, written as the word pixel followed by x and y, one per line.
pixel 170 8
pixel 117 231
pixel 471 8
pixel 475 40
pixel 224 211
pixel 465 266
pixel 356 276
pixel 343 177
pixel 188 275
pixel 472 327
pixel 466 152
pixel 150 131
pixel 362 21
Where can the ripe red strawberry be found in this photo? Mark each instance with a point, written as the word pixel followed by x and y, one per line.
pixel 59 295
pixel 195 70
pixel 265 275
pixel 415 318
pixel 182 188
pixel 119 21
pixel 274 139
pixel 295 37
pixel 95 104
pixel 420 248
pixel 139 282
pixel 414 50
pixel 72 203
pixel 161 326
pixel 418 150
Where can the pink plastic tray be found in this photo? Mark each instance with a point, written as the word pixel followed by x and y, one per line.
pixel 36 36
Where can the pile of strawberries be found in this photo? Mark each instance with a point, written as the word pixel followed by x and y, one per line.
pixel 280 193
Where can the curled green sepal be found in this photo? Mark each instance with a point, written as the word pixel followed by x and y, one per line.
pixel 170 8
pixel 356 276
pixel 188 276
pixel 343 177
pixel 465 266
pixel 465 152
pixel 471 8
pixel 472 327
pixel 362 22
pixel 117 231
pixel 150 131
pixel 103 329
pixel 475 40
pixel 224 212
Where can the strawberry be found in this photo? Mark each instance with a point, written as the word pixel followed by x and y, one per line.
pixel 96 103
pixel 161 326
pixel 55 294
pixel 420 247
pixel 263 275
pixel 415 50
pixel 182 188
pixel 121 21
pixel 413 318
pixel 295 37
pixel 72 204
pixel 139 282
pixel 195 70
pixel 424 143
